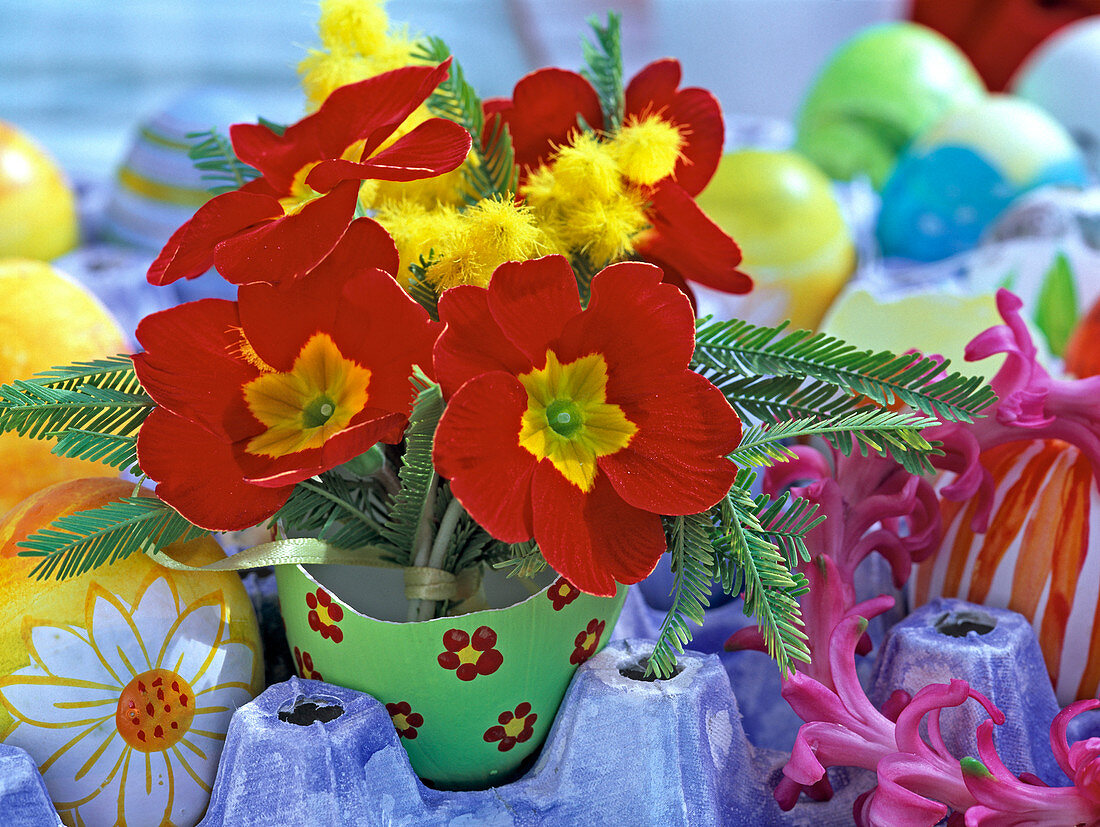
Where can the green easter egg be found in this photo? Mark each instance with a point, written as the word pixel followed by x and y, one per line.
pixel 877 92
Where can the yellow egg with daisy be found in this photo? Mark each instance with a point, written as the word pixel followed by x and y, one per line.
pixel 120 682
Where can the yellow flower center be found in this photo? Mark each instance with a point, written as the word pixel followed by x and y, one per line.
pixel 308 405
pixel 400 721
pixel 302 193
pixel 647 149
pixel 514 727
pixel 155 710
pixel 568 418
pixel 589 641
pixel 468 654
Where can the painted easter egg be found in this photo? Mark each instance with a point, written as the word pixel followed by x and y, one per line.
pixel 875 93
pixel 120 682
pixel 1046 249
pixel 960 174
pixel 46 320
pixel 1040 556
pixel 38 217
pixel 157 186
pixel 794 241
pixel 1062 76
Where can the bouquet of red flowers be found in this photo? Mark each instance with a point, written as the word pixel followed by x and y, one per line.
pixel 463 337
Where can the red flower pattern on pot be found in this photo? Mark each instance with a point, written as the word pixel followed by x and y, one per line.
pixel 562 593
pixel 513 727
pixel 324 615
pixel 586 642
pixel 405 721
pixel 304 661
pixel 471 656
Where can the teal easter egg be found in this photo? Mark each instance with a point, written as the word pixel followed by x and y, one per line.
pixel 964 171
pixel 875 93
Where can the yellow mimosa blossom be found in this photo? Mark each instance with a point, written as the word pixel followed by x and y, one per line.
pixel 584 202
pixel 358 42
pixel 355 25
pixel 587 167
pixel 488 234
pixel 647 149
pixel 417 230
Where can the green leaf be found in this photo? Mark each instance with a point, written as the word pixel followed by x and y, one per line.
pixel 342 512
pixel 523 560
pixel 736 348
pixel 749 560
pixel 421 289
pixel 115 372
pixel 1056 307
pixel 492 172
pixel 41 410
pixel 885 432
pixel 212 153
pixel 111 449
pixel 80 542
pixel 412 505
pixel 693 567
pixel 604 68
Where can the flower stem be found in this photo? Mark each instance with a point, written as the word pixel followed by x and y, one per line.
pixel 447 526
pixel 422 544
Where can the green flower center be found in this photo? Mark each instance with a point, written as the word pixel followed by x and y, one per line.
pixel 317 412
pixel 564 417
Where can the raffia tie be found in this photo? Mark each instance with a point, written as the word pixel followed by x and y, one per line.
pixel 427 583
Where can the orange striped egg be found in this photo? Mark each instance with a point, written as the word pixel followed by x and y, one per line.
pixel 1040 556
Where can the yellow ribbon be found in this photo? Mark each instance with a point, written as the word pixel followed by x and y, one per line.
pixel 293 550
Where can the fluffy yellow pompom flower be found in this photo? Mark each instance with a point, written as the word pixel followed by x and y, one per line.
pixel 604 229
pixel 647 149
pixel 587 166
pixel 491 232
pixel 585 203
pixel 417 230
pixel 353 25
pixel 358 43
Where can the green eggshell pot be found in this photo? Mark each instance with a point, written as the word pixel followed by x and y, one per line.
pixel 471 696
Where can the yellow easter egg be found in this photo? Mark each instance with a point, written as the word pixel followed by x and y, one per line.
pixel 37 207
pixel 933 322
pixel 780 209
pixel 120 682
pixel 46 320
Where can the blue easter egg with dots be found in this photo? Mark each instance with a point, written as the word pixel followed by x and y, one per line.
pixel 960 174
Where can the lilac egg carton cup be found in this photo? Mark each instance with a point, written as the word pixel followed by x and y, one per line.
pixel 622 751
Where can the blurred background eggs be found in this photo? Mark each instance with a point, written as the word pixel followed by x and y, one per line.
pixel 1063 77
pixel 960 174
pixel 876 92
pixel 796 246
pixel 38 217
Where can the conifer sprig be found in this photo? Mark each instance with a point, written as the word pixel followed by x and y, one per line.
pixel 737 348
pixel 693 567
pixel 604 68
pixel 491 170
pixel 413 504
pixel 212 153
pixel 80 542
